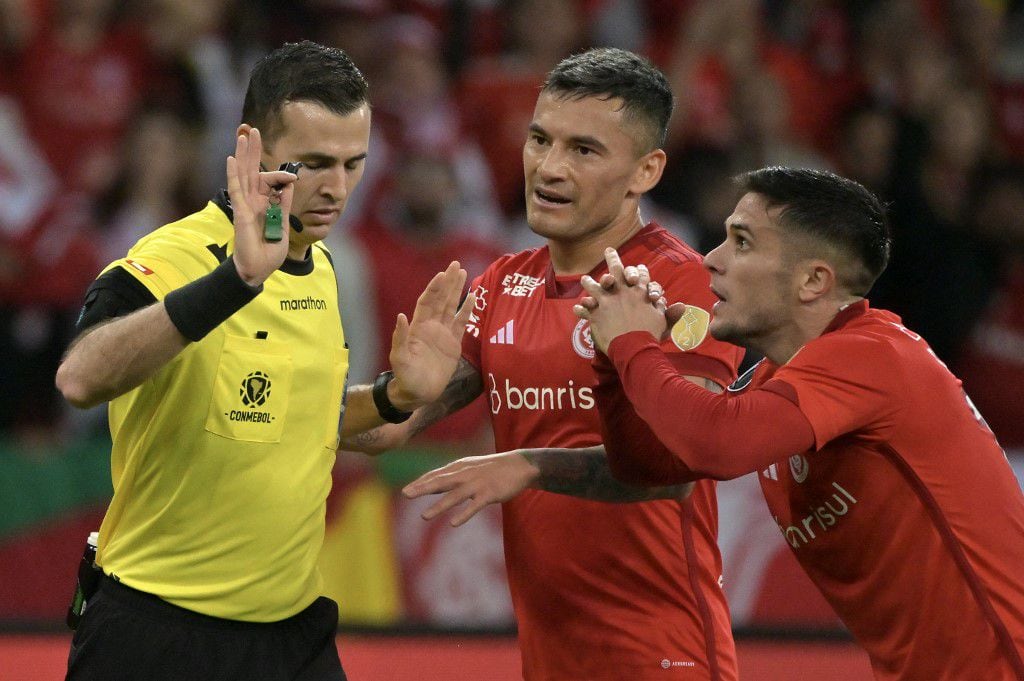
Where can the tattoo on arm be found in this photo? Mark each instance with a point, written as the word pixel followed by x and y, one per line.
pixel 367 439
pixel 464 387
pixel 584 473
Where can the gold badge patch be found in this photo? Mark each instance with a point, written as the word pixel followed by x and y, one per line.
pixel 691 329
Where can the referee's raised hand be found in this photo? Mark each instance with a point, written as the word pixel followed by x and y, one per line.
pixel 251 192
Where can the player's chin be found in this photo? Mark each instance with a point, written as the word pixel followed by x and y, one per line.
pixel 546 227
pixel 720 329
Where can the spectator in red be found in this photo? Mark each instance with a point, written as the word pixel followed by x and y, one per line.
pixel 941 266
pixel 718 43
pixel 81 78
pixel 47 259
pixel 414 107
pixel 498 95
pixel 992 363
pixel 403 240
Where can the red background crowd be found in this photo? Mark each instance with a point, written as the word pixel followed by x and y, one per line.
pixel 116 117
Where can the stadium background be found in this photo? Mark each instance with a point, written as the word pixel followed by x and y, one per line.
pixel 116 115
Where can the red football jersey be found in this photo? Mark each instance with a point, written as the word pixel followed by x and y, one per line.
pixel 601 590
pixel 908 516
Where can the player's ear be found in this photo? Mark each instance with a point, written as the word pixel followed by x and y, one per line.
pixel 817 278
pixel 647 173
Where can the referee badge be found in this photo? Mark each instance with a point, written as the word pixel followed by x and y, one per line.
pixel 691 329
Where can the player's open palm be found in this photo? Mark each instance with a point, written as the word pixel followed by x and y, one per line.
pixel 474 481
pixel 251 192
pixel 426 350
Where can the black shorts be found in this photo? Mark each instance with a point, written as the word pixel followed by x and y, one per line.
pixel 130 635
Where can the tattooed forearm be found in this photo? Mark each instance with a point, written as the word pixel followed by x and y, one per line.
pixel 462 389
pixel 365 440
pixel 585 473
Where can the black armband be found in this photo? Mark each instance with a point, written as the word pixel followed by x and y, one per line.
pixel 198 308
pixel 387 411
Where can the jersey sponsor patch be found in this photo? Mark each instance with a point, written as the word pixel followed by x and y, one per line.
pixel 520 285
pixel 691 329
pixel 139 266
pixel 539 398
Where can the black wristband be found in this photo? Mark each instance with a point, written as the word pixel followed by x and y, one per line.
pixel 387 411
pixel 198 308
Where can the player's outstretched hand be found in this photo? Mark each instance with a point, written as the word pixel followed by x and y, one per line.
pixel 251 192
pixel 475 481
pixel 425 351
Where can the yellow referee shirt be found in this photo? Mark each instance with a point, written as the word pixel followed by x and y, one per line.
pixel 221 461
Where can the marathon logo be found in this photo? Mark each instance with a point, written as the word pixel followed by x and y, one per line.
pixel 307 303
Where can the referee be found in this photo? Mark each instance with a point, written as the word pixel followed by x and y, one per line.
pixel 222 354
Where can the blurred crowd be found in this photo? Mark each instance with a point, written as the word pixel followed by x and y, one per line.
pixel 116 117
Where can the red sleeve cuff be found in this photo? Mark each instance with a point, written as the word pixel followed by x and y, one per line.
pixel 602 365
pixel 623 348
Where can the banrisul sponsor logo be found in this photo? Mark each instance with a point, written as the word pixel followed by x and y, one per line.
pixel 307 303
pixel 820 519
pixel 506 395
pixel 254 393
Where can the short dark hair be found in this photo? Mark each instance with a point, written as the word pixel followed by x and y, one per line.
pixel 608 73
pixel 833 210
pixel 304 71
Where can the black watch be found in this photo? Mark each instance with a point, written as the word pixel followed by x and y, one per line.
pixel 387 411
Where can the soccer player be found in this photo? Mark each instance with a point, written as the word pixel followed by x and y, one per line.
pixel 222 352
pixel 600 590
pixel 882 476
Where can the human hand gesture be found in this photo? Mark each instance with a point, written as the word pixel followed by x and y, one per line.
pixel 476 481
pixel 425 351
pixel 251 191
pixel 624 300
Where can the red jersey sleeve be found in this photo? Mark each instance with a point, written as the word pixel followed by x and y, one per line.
pixel 635 454
pixel 842 383
pixel 701 434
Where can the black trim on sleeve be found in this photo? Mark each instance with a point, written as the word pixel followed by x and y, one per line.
pixel 115 293
pixel 198 308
